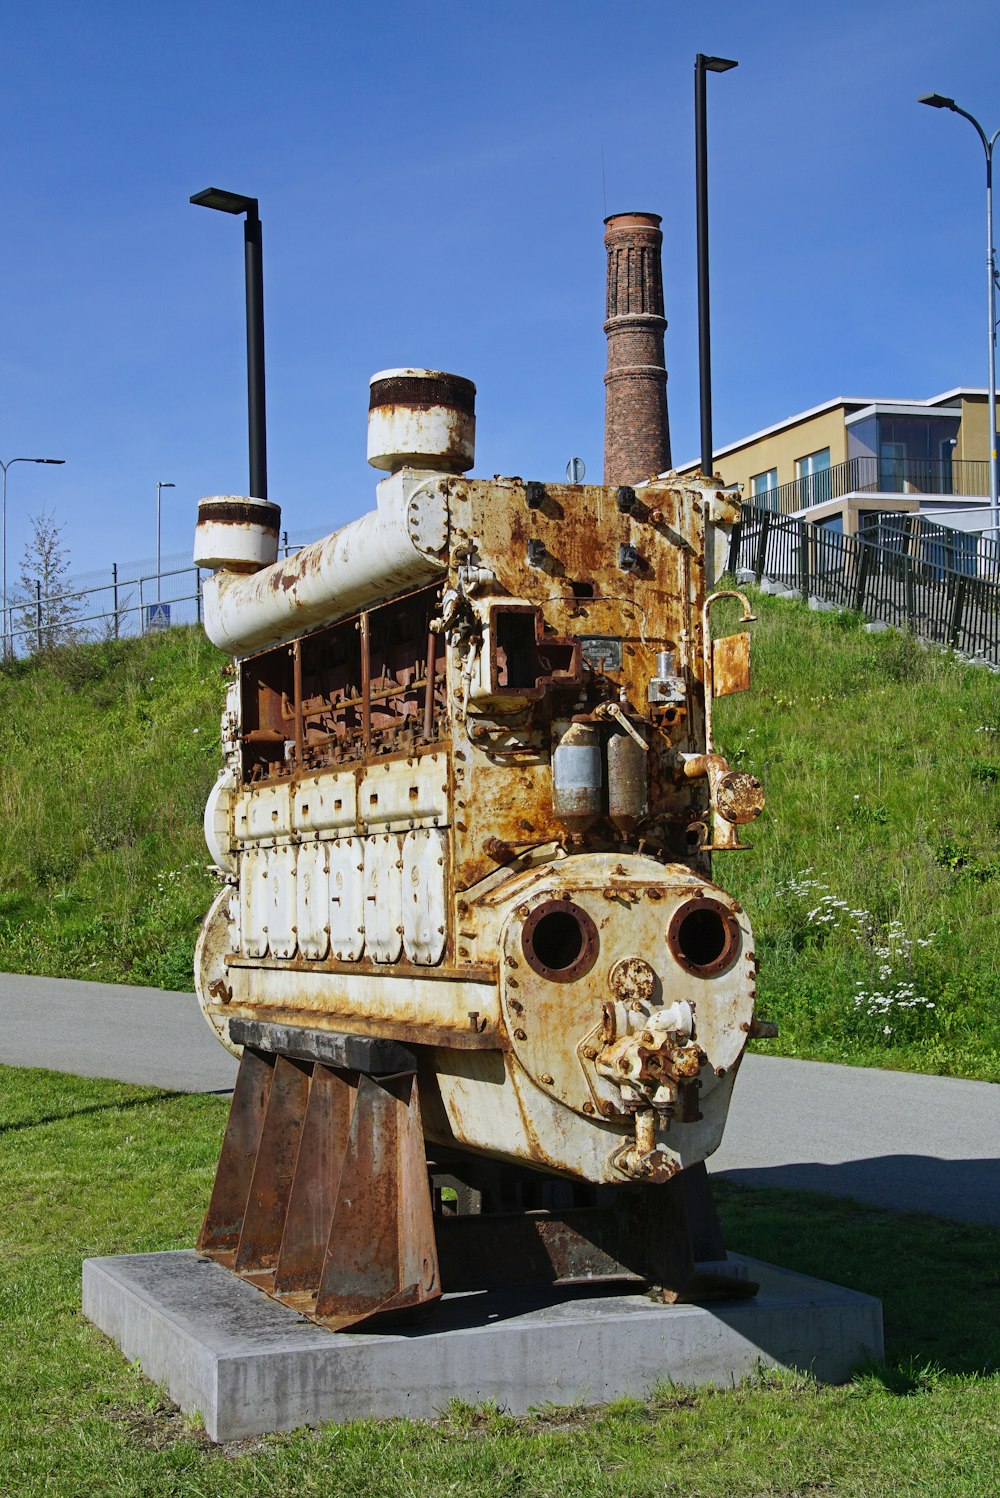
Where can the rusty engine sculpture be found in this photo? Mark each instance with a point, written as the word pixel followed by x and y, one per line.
pixel 464 829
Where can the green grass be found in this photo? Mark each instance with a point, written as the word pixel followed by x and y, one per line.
pixel 881 763
pixel 98 1167
pixel 108 752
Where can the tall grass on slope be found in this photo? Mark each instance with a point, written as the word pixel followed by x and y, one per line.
pixel 874 878
pixel 107 753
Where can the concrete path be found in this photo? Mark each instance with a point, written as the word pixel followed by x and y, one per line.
pixel 106 1030
pixel 895 1139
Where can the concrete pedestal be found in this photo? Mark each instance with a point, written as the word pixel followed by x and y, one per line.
pixel 248 1364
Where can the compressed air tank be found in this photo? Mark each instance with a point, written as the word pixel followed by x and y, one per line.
pixel 628 795
pixel 577 777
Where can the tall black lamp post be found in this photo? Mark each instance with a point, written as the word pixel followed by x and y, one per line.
pixel 233 202
pixel 939 101
pixel 703 65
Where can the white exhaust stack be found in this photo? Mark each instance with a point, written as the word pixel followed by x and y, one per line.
pixel 421 427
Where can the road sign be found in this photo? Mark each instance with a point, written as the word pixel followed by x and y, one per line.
pixel 157 616
pixel 575 471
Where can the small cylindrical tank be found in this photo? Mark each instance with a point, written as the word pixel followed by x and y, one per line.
pixel 421 418
pixel 236 533
pixel 628 795
pixel 577 777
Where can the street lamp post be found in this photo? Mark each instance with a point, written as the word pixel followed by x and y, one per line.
pixel 703 65
pixel 158 488
pixel 57 462
pixel 232 202
pixel 938 101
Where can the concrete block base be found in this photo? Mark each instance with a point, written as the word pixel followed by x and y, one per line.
pixel 249 1365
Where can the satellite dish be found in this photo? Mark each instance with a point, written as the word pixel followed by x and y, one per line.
pixel 575 470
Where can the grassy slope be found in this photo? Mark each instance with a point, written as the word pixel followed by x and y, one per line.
pixel 876 867
pixel 881 762
pixel 107 753
pixel 98 1167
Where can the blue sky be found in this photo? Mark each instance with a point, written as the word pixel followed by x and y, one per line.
pixel 432 192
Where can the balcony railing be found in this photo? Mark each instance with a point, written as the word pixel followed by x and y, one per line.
pixel 871 475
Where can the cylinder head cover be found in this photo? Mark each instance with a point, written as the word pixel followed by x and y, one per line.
pixel 236 534
pixel 421 418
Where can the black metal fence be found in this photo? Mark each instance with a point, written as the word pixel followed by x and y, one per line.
pixel 902 580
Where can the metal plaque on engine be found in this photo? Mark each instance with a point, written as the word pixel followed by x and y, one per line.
pixel 602 652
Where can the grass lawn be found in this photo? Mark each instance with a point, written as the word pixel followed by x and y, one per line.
pixel 875 870
pixel 100 1167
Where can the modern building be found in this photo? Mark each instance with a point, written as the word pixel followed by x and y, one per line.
pixel 852 464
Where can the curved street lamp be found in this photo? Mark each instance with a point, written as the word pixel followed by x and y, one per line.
pixel 3 536
pixel 939 101
pixel 235 202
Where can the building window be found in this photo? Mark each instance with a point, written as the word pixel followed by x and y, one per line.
pixel 813 475
pixel 762 485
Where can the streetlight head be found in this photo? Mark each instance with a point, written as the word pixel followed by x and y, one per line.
pixel 225 202
pixel 936 101
pixel 716 64
pixel 56 461
pixel 166 486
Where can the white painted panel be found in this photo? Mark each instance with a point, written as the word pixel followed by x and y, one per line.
pixel 254 900
pixel 281 916
pixel 312 900
pixel 347 898
pixel 403 793
pixel 269 813
pixel 424 919
pixel 325 802
pixel 383 898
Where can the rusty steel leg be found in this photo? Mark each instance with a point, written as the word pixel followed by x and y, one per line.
pixel 642 1237
pixel 382 1253
pixel 322 1148
pixel 274 1168
pixel 220 1233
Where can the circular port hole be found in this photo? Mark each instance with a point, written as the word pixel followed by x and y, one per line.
pixel 704 937
pixel 559 940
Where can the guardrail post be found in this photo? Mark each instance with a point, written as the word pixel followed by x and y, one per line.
pixel 735 541
pixel 761 559
pixel 804 559
pixel 861 580
pixel 957 610
pixel 910 592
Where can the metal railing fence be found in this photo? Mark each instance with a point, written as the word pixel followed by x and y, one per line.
pixel 969 478
pixel 904 585
pixel 129 598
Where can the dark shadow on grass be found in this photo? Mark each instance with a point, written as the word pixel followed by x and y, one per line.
pixel 120 1107
pixel 938 1281
pixel 963 1190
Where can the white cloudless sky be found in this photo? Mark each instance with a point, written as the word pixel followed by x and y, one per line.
pixel 433 179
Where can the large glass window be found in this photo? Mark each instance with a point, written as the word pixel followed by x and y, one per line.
pixel 813 475
pixel 762 485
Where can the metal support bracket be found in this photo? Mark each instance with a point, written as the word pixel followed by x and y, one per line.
pixel 321 1197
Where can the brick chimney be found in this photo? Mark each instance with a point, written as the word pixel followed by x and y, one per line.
pixel 636 428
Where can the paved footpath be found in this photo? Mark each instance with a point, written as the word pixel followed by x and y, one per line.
pixel 895 1139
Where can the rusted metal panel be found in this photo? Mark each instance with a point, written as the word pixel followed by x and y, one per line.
pixel 384 898
pixel 424 896
pixel 347 898
pixel 313 900
pixel 731 664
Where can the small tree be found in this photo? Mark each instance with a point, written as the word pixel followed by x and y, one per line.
pixel 48 617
